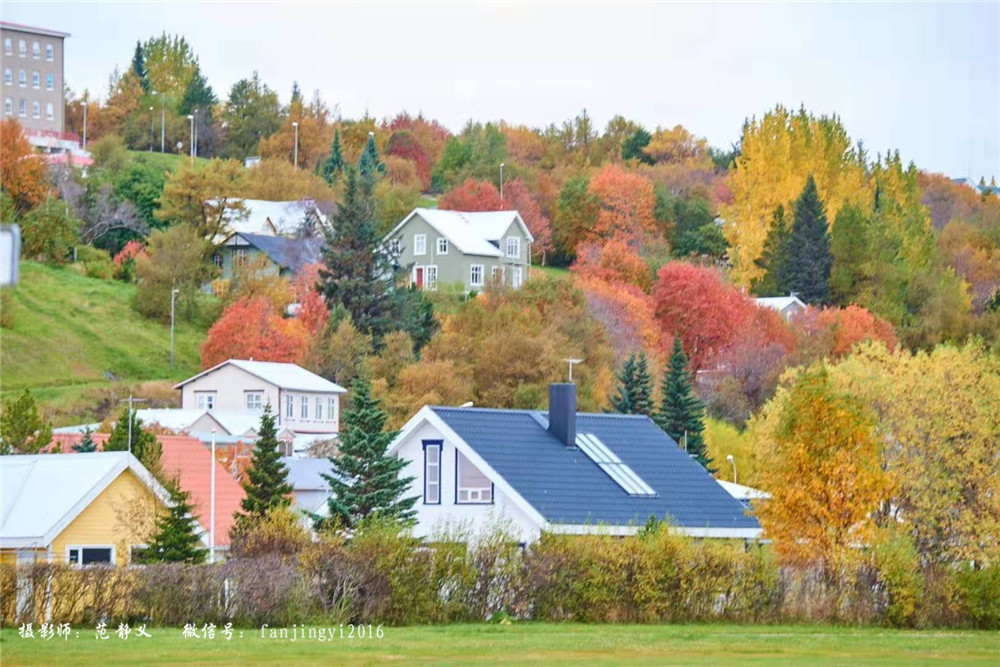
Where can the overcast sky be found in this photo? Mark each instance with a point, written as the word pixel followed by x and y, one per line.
pixel 921 78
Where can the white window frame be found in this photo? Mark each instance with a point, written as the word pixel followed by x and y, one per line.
pixel 473 495
pixel 36 79
pixel 432 468
pixel 498 270
pixel 36 50
pixel 442 245
pixel 8 77
pixel 80 547
pixel 50 81
pixel 22 108
pixel 205 400
pixel 22 48
pixel 319 408
pixel 241 257
pixel 22 79
pixel 50 52
pixel 395 248
pixel 304 408
pixel 419 244
pixel 8 106
pixel 289 406
pixel 514 243
pixel 8 46
pixel 431 277
pixel 50 111
pixel 253 405
pixel 517 277
pixel 331 409
pixel 472 275
pixel 36 110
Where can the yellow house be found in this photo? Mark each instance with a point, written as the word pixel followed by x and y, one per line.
pixel 76 508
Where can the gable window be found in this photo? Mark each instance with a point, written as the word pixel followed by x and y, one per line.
pixel 304 407
pixel 431 277
pixel 36 50
pixel 472 486
pixel 442 246
pixel 217 260
pixel 80 555
pixel 517 277
pixel 513 246
pixel 206 400
pixel 22 78
pixel 476 275
pixel 331 409
pixel 50 81
pixel 8 76
pixel 432 472
pixel 319 409
pixel 49 52
pixel 419 244
pixel 255 401
pixel 289 406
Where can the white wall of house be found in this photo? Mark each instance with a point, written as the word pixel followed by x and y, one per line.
pixel 477 517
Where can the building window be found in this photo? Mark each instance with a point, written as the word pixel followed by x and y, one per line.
pixel 476 275
pixel 241 256
pixel 431 277
pixel 36 50
pixel 442 246
pixel 50 81
pixel 49 53
pixel 8 77
pixel 206 400
pixel 8 106
pixel 49 110
pixel 36 110
pixel 419 244
pixel 255 401
pixel 319 409
pixel 517 277
pixel 472 485
pixel 331 409
pixel 36 80
pixel 8 46
pixel 395 248
pixel 497 275
pixel 217 260
pixel 22 108
pixel 513 246
pixel 22 78
pixel 289 406
pixel 22 48
pixel 432 472
pixel 304 409
pixel 80 556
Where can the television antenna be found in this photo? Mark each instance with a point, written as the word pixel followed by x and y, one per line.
pixel 572 361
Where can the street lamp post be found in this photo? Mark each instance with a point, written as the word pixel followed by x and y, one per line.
pixel 195 112
pixel 163 122
pixel 295 124
pixel 130 400
pixel 173 295
pixel 191 118
pixel 151 129
pixel 211 506
pixel 501 184
pixel 729 457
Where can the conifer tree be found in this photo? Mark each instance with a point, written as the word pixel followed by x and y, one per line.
pixel 266 484
pixel 371 166
pixel 22 429
pixel 774 258
pixel 681 414
pixel 809 258
pixel 622 402
pixel 145 446
pixel 139 66
pixel 87 444
pixel 175 537
pixel 851 248
pixel 365 481
pixel 198 95
pixel 333 167
pixel 635 390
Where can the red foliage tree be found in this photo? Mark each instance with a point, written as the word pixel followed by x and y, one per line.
pixel 472 195
pixel 131 250
pixel 615 261
pixel 404 144
pixel 517 197
pixel 313 312
pixel 627 204
pixel 840 329
pixel 254 329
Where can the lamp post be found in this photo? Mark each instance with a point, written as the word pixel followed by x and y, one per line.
pixel 211 506
pixel 163 122
pixel 191 118
pixel 501 184
pixel 195 112
pixel 86 103
pixel 130 400
pixel 173 295
pixel 151 129
pixel 295 124
pixel 729 457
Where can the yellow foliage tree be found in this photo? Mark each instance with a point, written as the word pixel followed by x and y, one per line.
pixel 680 147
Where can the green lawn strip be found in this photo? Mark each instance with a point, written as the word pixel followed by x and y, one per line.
pixel 522 643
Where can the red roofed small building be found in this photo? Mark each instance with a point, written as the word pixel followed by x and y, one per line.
pixel 189 461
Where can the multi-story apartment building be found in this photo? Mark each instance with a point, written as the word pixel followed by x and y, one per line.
pixel 33 82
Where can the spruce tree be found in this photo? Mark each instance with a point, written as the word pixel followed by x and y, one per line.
pixel 635 388
pixel 139 66
pixel 87 444
pixel 622 402
pixel 22 429
pixel 266 484
pixel 145 446
pixel 365 481
pixel 175 537
pixel 681 413
pixel 809 258
pixel 371 166
pixel 198 95
pixel 333 167
pixel 774 258
pixel 851 248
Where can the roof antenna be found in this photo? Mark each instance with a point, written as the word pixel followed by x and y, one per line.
pixel 572 361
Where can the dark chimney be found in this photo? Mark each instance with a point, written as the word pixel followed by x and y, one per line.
pixel 562 412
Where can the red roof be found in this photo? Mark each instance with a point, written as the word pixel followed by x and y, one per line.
pixel 188 460
pixel 66 158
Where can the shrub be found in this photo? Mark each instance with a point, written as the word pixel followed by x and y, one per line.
pixel 48 234
pixel 978 592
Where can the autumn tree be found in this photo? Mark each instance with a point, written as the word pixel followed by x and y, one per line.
pixel 307 123
pixel 634 395
pixel 517 197
pixel 251 113
pixel 256 279
pixel 681 414
pixel 625 312
pixel 266 487
pixel 402 143
pixel 339 352
pixel 678 146
pixel 472 195
pixel 169 63
pixel 838 330
pixel 824 473
pixel 254 328
pixel 175 259
pixel 808 248
pixel 627 202
pixel 23 174
pixel 577 209
pixel 613 261
pixel 23 431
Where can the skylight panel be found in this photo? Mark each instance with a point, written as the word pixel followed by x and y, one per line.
pixel 613 466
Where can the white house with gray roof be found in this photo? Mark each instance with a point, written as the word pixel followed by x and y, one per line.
pixel 463 248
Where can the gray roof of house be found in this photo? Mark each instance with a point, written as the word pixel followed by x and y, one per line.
pixel 306 474
pixel 567 487
pixel 289 253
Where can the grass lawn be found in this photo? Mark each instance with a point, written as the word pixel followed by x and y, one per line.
pixel 550 270
pixel 165 161
pixel 522 643
pixel 70 332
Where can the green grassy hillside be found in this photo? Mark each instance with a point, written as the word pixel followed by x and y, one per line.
pixel 70 333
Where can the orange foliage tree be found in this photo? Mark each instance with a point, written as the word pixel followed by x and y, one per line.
pixel 254 329
pixel 840 329
pixel 627 204
pixel 517 197
pixel 472 195
pixel 313 312
pixel 614 261
pixel 404 144
pixel 626 314
pixel 22 171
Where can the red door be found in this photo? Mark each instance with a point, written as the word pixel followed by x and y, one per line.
pixel 420 276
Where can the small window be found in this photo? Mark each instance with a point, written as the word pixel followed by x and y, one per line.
pixel 473 486
pixel 431 278
pixel 8 46
pixel 8 77
pixel 432 472
pixel 22 78
pixel 36 110
pixel 50 81
pixel 517 277
pixel 49 52
pixel 36 79
pixel 8 107
pixel 497 274
pixel 255 401
pixel 304 408
pixel 419 244
pixel 319 409
pixel 513 246
pixel 476 275
pixel 442 248
pixel 395 247
pixel 331 409
pixel 241 256
pixel 36 50
pixel 217 260
pixel 22 48
pixel 83 556
pixel 206 400
pixel 22 108
pixel 49 111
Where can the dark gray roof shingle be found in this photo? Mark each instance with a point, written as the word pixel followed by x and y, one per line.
pixel 286 252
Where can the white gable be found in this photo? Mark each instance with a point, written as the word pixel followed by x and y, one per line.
pixel 282 375
pixel 473 233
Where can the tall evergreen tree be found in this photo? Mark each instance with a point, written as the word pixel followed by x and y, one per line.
pixel 852 253
pixel 145 446
pixel 632 147
pixel 371 166
pixel 809 258
pixel 681 413
pixel 622 402
pixel 774 258
pixel 175 537
pixel 296 93
pixel 198 95
pixel 365 481
pixel 87 444
pixel 266 484
pixel 139 66
pixel 635 387
pixel 333 167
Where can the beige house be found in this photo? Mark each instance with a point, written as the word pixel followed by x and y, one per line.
pixel 302 402
pixel 33 81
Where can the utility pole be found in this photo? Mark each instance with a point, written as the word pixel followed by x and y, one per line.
pixel 501 208
pixel 173 296
pixel 151 131
pixel 130 400
pixel 295 124
pixel 211 504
